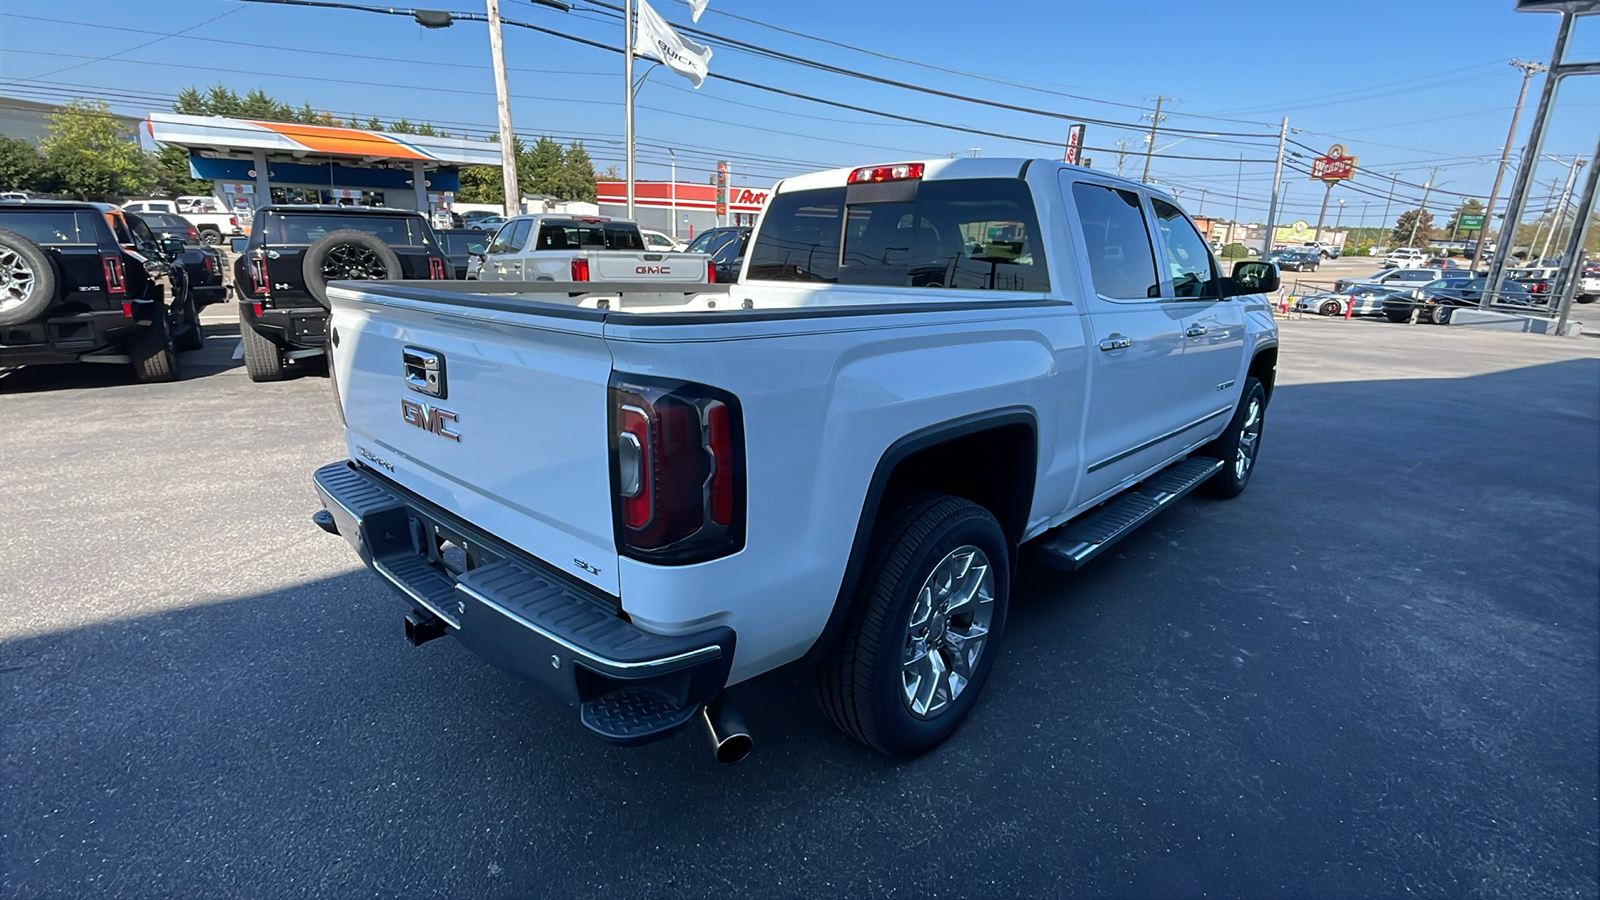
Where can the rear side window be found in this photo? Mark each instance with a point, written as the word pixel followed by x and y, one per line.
pixel 52 227
pixel 1117 242
pixel 298 231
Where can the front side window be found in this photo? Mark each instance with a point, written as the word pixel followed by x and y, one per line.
pixel 511 236
pixel 1121 263
pixel 1188 257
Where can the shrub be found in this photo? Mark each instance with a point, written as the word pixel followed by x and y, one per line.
pixel 1235 251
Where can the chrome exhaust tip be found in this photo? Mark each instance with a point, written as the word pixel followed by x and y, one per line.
pixel 730 739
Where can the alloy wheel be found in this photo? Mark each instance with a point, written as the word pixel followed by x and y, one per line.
pixel 948 628
pixel 353 262
pixel 1249 440
pixel 16 279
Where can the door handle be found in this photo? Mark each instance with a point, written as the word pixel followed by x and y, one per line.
pixel 1116 342
pixel 1194 331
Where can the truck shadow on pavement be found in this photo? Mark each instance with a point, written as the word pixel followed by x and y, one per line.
pixel 1374 672
pixel 214 358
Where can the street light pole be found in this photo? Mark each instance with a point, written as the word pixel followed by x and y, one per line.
pixel 627 89
pixel 1529 69
pixel 1561 207
pixel 508 143
pixel 1340 216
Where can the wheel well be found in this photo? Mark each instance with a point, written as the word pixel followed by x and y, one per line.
pixel 993 468
pixel 208 227
pixel 1264 368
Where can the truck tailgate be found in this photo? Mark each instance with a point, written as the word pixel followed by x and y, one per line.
pixel 683 268
pixel 513 435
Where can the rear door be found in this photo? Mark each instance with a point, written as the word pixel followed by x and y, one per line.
pixel 1136 411
pixel 511 436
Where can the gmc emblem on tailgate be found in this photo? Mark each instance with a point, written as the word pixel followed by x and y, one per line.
pixel 429 418
pixel 652 270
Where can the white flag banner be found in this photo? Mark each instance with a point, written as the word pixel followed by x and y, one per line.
pixel 657 40
pixel 696 7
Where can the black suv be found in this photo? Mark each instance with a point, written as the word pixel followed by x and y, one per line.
pixel 78 284
pixel 292 253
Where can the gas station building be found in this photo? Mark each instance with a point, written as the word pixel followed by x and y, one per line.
pixel 253 163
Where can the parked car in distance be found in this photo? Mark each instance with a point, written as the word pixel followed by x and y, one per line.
pixel 661 241
pixel 1391 278
pixel 834 462
pixel 1296 258
pixel 459 245
pixel 283 269
pixel 211 219
pixel 202 262
pixel 726 246
pixel 1538 280
pixel 15 197
pixel 1405 258
pixel 1441 262
pixel 78 290
pixel 1324 249
pixel 581 248
pixel 1366 298
pixel 1589 284
pixel 1438 300
pixel 490 222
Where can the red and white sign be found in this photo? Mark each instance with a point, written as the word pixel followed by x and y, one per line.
pixel 658 195
pixel 1335 166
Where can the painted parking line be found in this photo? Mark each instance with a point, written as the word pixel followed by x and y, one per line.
pixel 238 350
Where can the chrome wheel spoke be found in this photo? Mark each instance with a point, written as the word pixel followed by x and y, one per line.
pixel 946 631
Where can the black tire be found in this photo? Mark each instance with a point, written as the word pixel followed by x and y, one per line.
pixel 155 358
pixel 1440 314
pixel 1232 446
pixel 263 361
pixel 27 279
pixel 860 684
pixel 192 337
pixel 1331 308
pixel 347 254
pixel 1397 318
pixel 210 237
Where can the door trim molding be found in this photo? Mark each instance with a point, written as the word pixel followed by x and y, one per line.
pixel 1154 441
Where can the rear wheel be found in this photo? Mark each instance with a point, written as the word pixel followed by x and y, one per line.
pixel 263 361
pixel 1331 308
pixel 210 237
pixel 1238 446
pixel 1440 315
pixel 154 356
pixel 920 641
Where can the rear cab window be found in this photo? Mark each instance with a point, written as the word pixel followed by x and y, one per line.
pixel 578 235
pixel 294 230
pixel 53 227
pixel 1122 262
pixel 464 244
pixel 965 234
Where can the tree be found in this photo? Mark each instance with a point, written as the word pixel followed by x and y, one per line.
pixel 21 165
pixel 577 174
pixel 402 126
pixel 481 184
pixel 540 168
pixel 169 168
pixel 1420 219
pixel 91 156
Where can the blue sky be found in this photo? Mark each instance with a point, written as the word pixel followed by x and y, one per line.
pixel 1406 86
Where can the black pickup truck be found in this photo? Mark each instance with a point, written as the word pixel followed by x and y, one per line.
pixel 284 267
pixel 78 285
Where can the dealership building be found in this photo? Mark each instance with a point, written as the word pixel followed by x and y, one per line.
pixel 681 209
pixel 252 163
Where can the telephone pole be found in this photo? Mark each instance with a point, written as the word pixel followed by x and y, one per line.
pixel 1150 150
pixel 1417 219
pixel 1385 221
pixel 1122 153
pixel 508 143
pixel 1529 69
pixel 1277 176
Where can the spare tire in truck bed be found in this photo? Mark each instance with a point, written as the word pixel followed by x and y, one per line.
pixel 27 279
pixel 347 255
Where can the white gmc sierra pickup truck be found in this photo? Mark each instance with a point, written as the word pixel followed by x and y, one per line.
pixel 581 248
pixel 639 495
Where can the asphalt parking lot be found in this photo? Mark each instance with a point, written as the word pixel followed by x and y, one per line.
pixel 1376 673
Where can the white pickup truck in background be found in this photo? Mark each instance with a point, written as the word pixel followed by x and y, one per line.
pixel 209 217
pixel 581 248
pixel 924 366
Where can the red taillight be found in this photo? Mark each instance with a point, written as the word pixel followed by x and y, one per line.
pixel 234 221
pixel 677 470
pixel 435 268
pixel 872 174
pixel 208 262
pixel 113 269
pixel 193 234
pixel 580 269
pixel 258 275
pixel 711 272
pixel 256 308
pixel 127 309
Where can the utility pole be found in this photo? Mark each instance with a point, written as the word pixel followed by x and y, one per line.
pixel 1384 223
pixel 1122 152
pixel 1529 69
pixel 1238 188
pixel 508 143
pixel 1277 177
pixel 1202 208
pixel 1538 224
pixel 1417 219
pixel 1149 151
pixel 1561 207
pixel 627 90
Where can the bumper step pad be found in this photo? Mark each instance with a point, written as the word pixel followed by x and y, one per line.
pixel 1084 539
pixel 634 716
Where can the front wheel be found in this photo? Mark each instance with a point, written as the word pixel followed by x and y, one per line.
pixel 921 638
pixel 1331 308
pixel 263 361
pixel 210 237
pixel 1239 445
pixel 1440 315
